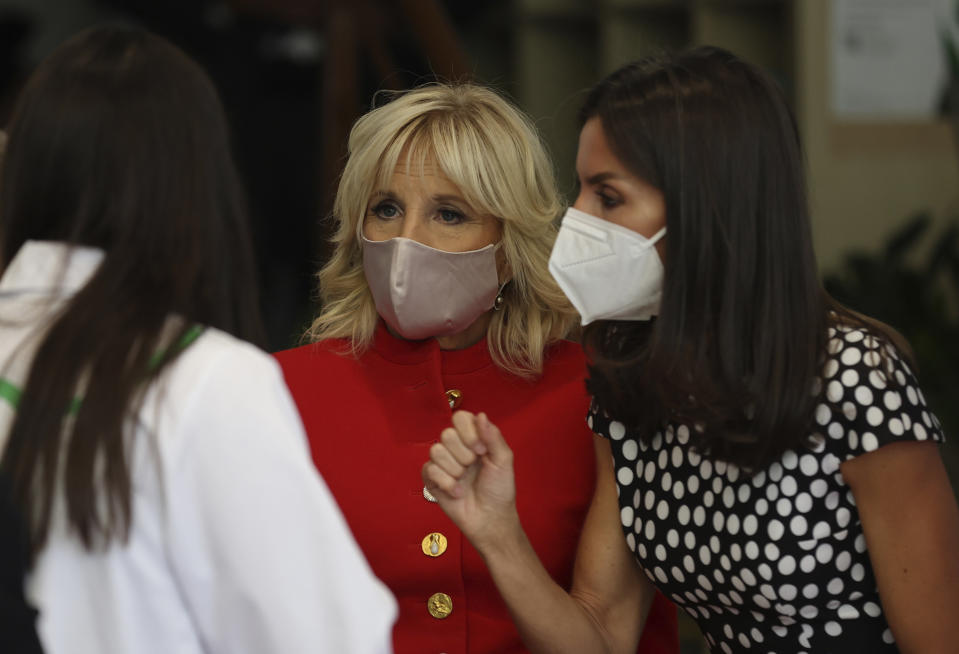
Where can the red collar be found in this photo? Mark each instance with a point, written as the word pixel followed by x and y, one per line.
pixel 403 352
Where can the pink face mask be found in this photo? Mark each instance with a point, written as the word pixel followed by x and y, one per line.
pixel 422 292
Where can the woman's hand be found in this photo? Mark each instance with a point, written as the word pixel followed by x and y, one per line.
pixel 470 472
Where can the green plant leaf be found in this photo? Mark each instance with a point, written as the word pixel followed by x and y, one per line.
pixel 951 52
pixel 903 239
pixel 945 250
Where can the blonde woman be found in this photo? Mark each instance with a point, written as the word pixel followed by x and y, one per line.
pixel 437 298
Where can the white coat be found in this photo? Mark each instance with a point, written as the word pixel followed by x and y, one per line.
pixel 236 545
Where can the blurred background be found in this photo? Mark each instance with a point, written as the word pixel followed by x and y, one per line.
pixel 875 85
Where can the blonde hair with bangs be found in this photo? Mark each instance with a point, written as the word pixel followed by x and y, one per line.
pixel 493 154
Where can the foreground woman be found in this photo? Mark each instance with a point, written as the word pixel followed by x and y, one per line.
pixel 155 462
pixel 438 297
pixel 767 452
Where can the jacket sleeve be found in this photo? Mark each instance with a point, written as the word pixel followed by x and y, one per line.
pixel 262 555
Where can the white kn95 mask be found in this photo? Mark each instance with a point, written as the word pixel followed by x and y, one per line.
pixel 607 271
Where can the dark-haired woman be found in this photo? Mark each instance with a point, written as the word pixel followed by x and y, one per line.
pixel 157 461
pixel 767 452
pixel 17 616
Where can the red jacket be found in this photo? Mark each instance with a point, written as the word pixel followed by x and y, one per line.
pixel 371 422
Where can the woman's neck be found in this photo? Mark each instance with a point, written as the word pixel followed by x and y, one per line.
pixel 462 340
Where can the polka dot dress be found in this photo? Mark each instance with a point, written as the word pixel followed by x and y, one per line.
pixel 776 562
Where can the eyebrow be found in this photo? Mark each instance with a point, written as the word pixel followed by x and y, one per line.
pixel 389 195
pixel 384 195
pixel 449 198
pixel 599 178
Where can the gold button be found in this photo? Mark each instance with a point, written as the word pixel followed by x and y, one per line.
pixel 454 397
pixel 434 544
pixel 440 605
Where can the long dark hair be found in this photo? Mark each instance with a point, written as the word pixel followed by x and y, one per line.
pixel 739 342
pixel 118 142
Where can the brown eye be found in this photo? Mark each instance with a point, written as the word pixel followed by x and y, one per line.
pixel 608 201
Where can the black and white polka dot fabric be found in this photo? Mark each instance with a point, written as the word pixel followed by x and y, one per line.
pixel 776 562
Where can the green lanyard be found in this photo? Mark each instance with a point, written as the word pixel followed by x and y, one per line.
pixel 11 392
pixel 185 341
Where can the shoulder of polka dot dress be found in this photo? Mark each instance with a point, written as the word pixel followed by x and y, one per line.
pixel 601 424
pixel 870 397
